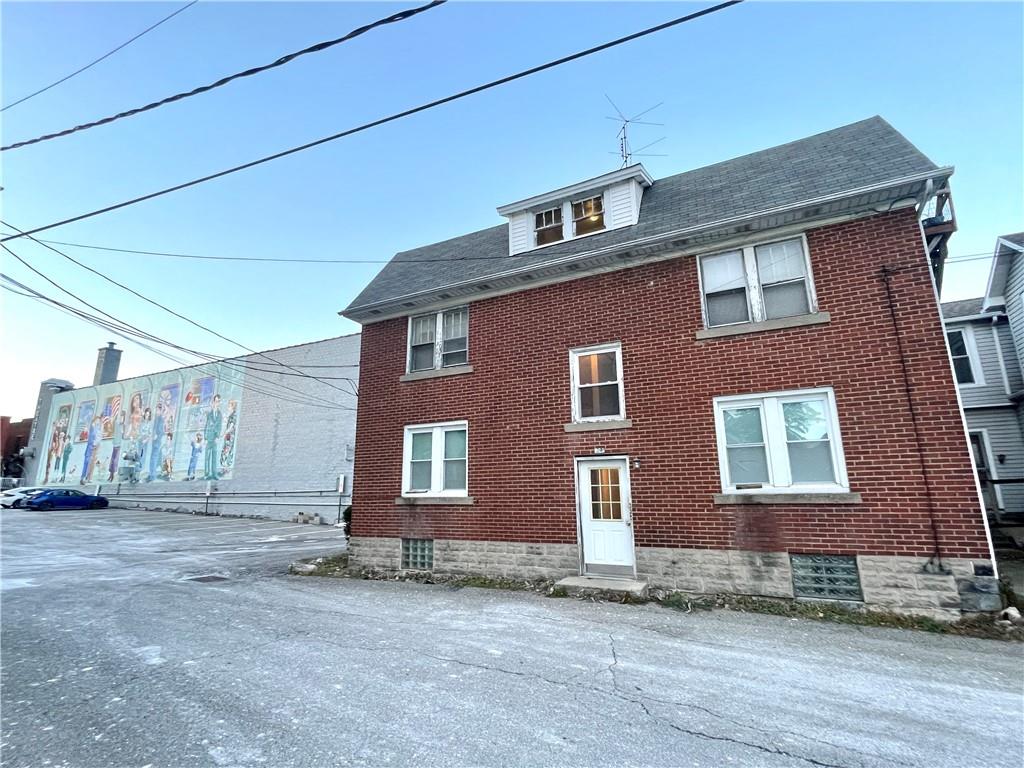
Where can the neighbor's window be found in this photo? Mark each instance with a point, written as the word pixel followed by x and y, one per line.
pixel 788 441
pixel 588 215
pixel 548 226
pixel 436 457
pixel 597 383
pixel 756 283
pixel 439 340
pixel 965 358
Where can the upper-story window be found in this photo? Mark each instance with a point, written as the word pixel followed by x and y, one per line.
pixel 597 392
pixel 588 215
pixel 439 340
pixel 964 352
pixel 548 225
pixel 757 283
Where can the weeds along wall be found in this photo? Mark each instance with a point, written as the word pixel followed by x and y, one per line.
pixel 262 438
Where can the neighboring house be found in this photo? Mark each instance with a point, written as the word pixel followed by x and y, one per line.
pixel 729 380
pixel 986 341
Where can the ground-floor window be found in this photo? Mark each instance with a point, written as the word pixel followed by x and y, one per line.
pixel 436 459
pixel 780 442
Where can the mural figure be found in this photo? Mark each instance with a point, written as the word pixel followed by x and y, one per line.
pixel 214 422
pixel 65 450
pixel 85 413
pixel 167 457
pixel 197 449
pixel 52 454
pixel 122 441
pixel 136 409
pixel 92 442
pixel 143 438
pixel 111 416
pixel 227 453
pixel 159 430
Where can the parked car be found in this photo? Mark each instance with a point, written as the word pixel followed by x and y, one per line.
pixel 65 499
pixel 15 497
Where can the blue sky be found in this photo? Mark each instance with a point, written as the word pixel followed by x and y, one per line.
pixel 948 75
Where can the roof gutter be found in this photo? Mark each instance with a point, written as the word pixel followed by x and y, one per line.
pixel 928 176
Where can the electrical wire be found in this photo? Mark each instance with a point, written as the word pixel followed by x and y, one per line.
pixel 388 119
pixel 94 62
pixel 353 390
pixel 393 18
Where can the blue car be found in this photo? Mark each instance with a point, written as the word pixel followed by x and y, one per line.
pixel 65 499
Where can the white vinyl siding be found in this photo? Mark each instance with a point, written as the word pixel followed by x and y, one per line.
pixel 438 340
pixel 756 283
pixel 435 459
pixel 781 442
pixel 596 379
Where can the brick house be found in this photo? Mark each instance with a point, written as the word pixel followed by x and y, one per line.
pixel 729 380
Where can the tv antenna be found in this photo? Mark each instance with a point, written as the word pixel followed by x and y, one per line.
pixel 626 151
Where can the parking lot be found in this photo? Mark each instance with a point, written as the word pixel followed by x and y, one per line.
pixel 113 655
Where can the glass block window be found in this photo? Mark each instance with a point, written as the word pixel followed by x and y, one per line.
pixel 417 554
pixel 829 577
pixel 597 383
pixel 439 340
pixel 436 459
pixel 780 442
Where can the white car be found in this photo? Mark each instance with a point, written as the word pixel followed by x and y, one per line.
pixel 16 496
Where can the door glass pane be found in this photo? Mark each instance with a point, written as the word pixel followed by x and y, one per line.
pixel 597 401
pixel 605 495
pixel 786 299
pixel 811 462
pixel 779 262
pixel 743 426
pixel 455 444
pixel 728 307
pixel 747 465
pixel 455 475
pixel 805 420
pixel 419 476
pixel 421 442
pixel 597 368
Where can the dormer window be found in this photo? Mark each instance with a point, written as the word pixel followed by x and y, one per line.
pixel 588 215
pixel 548 225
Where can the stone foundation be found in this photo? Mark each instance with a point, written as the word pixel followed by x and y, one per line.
pixel 889 583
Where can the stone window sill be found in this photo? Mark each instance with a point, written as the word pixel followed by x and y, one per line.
pixel 436 373
pixel 816 499
pixel 436 501
pixel 817 318
pixel 595 426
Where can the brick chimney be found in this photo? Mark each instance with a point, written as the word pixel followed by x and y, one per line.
pixel 107 363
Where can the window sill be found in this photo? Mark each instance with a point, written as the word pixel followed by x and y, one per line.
pixel 595 426
pixel 437 373
pixel 815 499
pixel 426 501
pixel 817 318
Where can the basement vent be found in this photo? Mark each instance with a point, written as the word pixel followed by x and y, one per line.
pixel 417 554
pixel 828 577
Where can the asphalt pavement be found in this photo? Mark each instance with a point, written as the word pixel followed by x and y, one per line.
pixel 113 655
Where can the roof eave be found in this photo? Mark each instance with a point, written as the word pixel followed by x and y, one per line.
pixel 635 171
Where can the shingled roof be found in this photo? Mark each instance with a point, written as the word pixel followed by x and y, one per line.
pixel 854 157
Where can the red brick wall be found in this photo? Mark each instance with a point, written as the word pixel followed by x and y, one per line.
pixel 517 400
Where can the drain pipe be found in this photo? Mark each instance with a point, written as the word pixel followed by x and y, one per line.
pixel 934 564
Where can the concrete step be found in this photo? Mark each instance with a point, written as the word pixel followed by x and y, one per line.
pixel 608 586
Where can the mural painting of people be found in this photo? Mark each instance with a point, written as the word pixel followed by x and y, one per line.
pixel 92 444
pixel 214 423
pixel 65 451
pixel 197 450
pixel 227 453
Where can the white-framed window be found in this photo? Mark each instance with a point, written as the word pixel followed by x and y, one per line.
pixel 596 376
pixel 757 283
pixel 438 340
pixel 435 459
pixel 587 215
pixel 964 352
pixel 548 226
pixel 780 442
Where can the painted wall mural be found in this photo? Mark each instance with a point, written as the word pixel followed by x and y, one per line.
pixel 177 425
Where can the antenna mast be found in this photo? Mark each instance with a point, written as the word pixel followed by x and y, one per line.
pixel 626 153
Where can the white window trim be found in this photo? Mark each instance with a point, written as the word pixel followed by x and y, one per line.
pixel 574 378
pixel 972 356
pixel 436 459
pixel 775 442
pixel 604 213
pixel 568 225
pixel 755 295
pixel 438 340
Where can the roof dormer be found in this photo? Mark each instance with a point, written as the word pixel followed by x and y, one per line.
pixel 610 201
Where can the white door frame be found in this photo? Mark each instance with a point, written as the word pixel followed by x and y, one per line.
pixel 626 486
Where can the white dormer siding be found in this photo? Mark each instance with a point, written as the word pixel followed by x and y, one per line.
pixel 621 193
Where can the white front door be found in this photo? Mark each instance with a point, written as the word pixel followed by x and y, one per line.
pixel 605 521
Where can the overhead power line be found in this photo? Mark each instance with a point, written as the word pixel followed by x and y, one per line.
pixel 393 18
pixel 94 62
pixel 389 118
